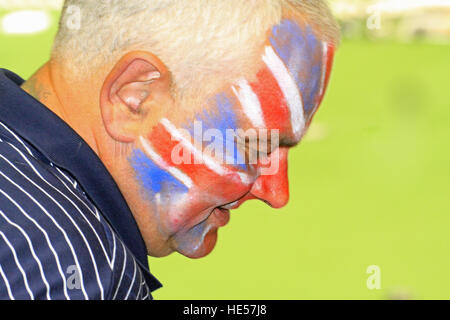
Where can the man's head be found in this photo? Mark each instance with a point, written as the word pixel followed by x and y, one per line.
pixel 193 105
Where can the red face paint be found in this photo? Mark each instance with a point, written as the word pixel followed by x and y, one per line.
pixel 188 163
pixel 273 103
pixel 191 217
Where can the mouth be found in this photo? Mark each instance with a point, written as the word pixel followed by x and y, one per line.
pixel 222 213
pixel 230 206
pixel 199 240
pixel 221 216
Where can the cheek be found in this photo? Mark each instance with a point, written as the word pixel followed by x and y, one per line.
pixel 195 169
pixel 153 178
pixel 169 161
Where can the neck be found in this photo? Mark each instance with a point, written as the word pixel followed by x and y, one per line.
pixel 76 103
pixel 49 87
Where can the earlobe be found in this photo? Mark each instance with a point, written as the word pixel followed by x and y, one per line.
pixel 127 91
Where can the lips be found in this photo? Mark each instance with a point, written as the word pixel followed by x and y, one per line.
pixel 221 216
pixel 199 239
pixel 230 206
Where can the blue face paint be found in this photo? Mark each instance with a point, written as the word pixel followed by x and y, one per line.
pixel 302 54
pixel 195 237
pixel 153 178
pixel 220 116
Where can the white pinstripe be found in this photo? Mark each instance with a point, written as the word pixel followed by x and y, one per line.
pixel 71 220
pixel 114 252
pixel 45 235
pixel 69 243
pixel 96 214
pixel 121 274
pixel 110 259
pixel 57 203
pixel 8 288
pixel 24 275
pixel 146 296
pixel 30 244
pixel 72 182
pixel 17 138
pixel 140 285
pixel 132 283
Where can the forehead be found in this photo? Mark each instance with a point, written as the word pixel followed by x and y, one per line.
pixel 289 86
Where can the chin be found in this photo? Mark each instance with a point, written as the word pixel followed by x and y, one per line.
pixel 200 248
pixel 160 253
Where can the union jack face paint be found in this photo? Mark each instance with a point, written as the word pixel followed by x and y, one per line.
pixel 286 94
pixel 292 83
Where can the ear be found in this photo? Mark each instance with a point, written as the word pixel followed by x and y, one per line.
pixel 130 90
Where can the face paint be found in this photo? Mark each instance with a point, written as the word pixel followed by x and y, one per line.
pixel 291 86
pixel 220 117
pixel 327 65
pixel 264 102
pixel 174 173
pixel 154 177
pixel 295 47
pixel 197 169
pixel 285 95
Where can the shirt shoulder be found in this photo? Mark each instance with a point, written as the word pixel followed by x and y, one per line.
pixel 128 281
pixel 54 244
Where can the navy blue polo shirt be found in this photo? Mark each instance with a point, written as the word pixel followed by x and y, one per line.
pixel 66 231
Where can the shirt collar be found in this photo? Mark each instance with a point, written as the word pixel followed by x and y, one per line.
pixel 49 134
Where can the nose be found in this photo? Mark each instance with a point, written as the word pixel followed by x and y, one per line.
pixel 273 188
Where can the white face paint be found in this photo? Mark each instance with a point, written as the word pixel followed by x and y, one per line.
pixel 193 198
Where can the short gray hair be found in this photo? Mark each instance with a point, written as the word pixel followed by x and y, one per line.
pixel 194 38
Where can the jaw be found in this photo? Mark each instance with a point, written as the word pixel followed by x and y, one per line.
pixel 160 251
pixel 192 244
pixel 198 241
pixel 193 236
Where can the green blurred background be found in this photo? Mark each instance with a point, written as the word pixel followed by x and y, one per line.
pixel 369 184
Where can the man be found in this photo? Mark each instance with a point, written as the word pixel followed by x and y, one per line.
pixel 104 154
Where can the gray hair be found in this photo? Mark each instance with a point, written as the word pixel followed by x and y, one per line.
pixel 194 38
